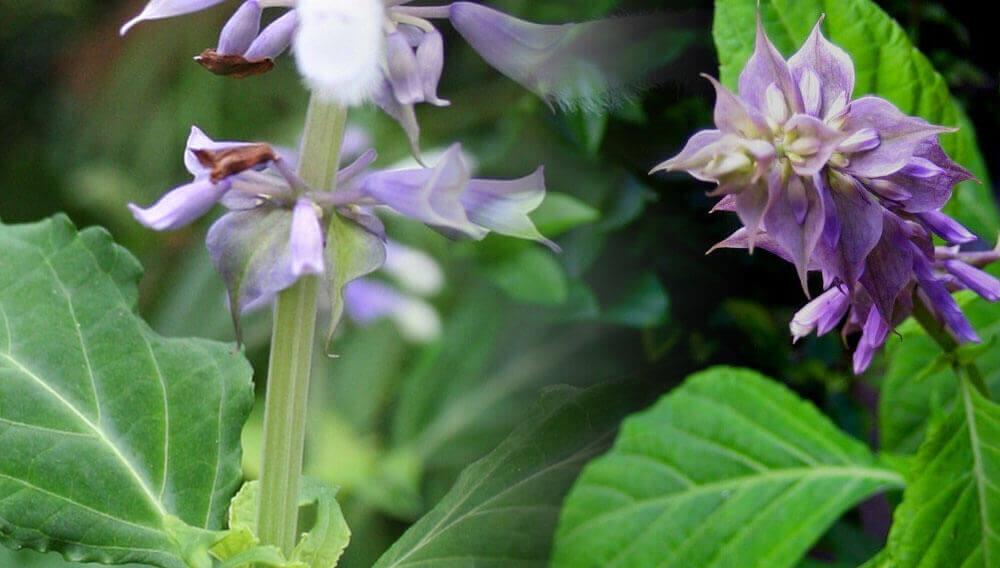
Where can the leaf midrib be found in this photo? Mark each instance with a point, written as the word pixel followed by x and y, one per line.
pixel 977 466
pixel 891 478
pixel 101 435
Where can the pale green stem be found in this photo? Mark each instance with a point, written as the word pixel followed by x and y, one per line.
pixel 292 342
pixel 948 344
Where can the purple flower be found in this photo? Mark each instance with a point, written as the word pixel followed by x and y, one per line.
pixel 275 232
pixel 351 51
pixel 367 301
pixel 848 188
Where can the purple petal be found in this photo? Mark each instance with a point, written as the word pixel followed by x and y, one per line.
pixel 889 266
pixel 367 301
pixel 733 116
pixel 929 177
pixel 859 222
pixel 275 38
pixel 939 300
pixel 945 227
pixel 900 136
pixel 798 232
pixel 753 202
pixel 572 64
pixel 502 206
pixel 821 314
pixel 432 196
pixel 158 9
pixel 241 29
pixel 430 63
pixel 404 75
pixel 873 336
pixel 766 67
pixel 974 279
pixel 306 239
pixel 695 152
pixel 832 68
pixel 181 206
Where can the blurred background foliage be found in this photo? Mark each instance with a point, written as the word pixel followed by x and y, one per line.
pixel 90 121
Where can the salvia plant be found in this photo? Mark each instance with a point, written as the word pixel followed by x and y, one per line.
pixel 429 426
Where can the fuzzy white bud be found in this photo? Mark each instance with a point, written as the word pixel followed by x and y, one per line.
pixel 339 48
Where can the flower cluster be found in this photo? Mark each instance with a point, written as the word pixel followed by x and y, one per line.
pixel 849 188
pixel 274 231
pixel 353 51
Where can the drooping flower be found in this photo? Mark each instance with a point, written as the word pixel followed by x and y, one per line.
pixel 852 189
pixel 275 230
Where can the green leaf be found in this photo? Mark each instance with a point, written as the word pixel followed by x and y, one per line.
pixel 329 536
pixel 319 547
pixel 916 387
pixel 560 212
pixel 890 67
pixel 531 275
pixel 730 469
pixel 352 251
pixel 950 514
pixel 880 560
pixel 645 304
pixel 503 508
pixel 99 416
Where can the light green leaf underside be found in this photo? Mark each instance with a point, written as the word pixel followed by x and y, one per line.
pixel 502 511
pixel 351 252
pixel 950 514
pixel 887 64
pixel 321 546
pixel 913 390
pixel 730 469
pixel 106 428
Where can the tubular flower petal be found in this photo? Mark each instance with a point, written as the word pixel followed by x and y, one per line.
pixel 404 75
pixel 181 206
pixel 158 9
pixel 306 239
pixel 241 29
pixel 850 189
pixel 367 301
pixel 275 38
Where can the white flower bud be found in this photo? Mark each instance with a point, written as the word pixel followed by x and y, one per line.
pixel 339 48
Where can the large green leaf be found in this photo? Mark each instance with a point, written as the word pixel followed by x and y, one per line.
pixel 503 509
pixel 109 432
pixel 730 469
pixel 917 386
pixel 950 514
pixel 887 64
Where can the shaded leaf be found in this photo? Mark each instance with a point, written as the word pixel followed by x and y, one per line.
pixel 503 508
pixel 916 387
pixel 730 469
pixel 950 514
